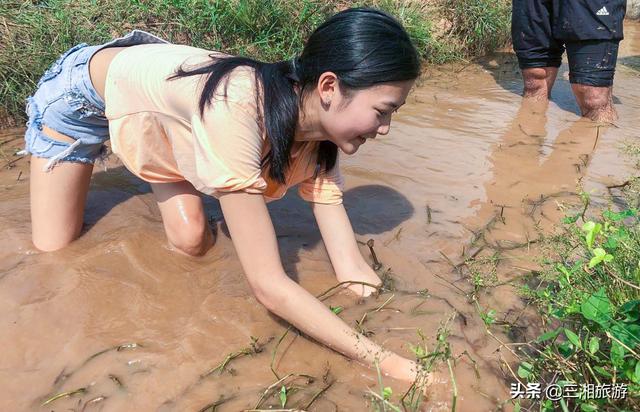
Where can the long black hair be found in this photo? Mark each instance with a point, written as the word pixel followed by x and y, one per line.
pixel 362 46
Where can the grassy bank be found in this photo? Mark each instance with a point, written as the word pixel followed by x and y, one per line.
pixel 588 295
pixel 33 33
pixel 589 298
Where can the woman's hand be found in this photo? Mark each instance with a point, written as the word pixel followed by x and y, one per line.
pixel 359 276
pixel 397 367
pixel 402 369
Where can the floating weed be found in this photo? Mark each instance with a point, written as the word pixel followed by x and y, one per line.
pixel 378 309
pixel 336 309
pixel 276 387
pixel 254 348
pixel 483 272
pixel 283 396
pixel 388 283
pixel 92 402
pixel 64 395
pixel 415 310
pixel 534 204
pixel 332 290
pixel 376 264
pixel 64 376
pixel 116 380
pixel 318 394
pixel 489 317
pixel 456 267
pixel 275 351
pixel 214 405
pixel 395 237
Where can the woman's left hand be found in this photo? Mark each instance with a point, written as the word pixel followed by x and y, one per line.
pixel 360 276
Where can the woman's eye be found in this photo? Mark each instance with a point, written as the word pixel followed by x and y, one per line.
pixel 383 113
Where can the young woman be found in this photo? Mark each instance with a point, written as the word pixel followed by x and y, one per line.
pixel 189 121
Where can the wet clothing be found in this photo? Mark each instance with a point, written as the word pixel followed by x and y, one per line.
pixel 590 30
pixel 155 125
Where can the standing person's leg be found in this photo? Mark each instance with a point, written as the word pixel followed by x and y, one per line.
pixel 592 32
pixel 538 82
pixel 539 54
pixel 592 65
pixel 183 216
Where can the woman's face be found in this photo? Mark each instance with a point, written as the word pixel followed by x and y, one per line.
pixel 349 121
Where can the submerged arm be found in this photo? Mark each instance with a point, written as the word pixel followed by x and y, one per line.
pixel 255 242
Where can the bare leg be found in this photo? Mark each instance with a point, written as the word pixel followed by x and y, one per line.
pixel 596 103
pixel 58 198
pixel 182 212
pixel 538 82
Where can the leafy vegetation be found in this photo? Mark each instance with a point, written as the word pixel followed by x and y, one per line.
pixel 589 297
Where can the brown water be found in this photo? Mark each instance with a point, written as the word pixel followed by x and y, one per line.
pixel 462 156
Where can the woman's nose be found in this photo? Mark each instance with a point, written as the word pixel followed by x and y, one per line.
pixel 383 129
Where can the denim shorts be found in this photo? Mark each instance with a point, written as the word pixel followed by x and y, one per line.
pixel 66 101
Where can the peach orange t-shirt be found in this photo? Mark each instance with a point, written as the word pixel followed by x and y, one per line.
pixel 157 131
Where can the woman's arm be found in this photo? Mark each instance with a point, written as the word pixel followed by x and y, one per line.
pixel 341 245
pixel 253 236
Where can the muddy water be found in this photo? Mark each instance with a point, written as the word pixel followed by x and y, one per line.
pixel 466 171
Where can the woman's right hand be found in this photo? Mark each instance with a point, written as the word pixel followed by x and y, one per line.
pixel 397 367
pixel 433 385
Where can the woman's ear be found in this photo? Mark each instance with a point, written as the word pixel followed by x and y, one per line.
pixel 327 88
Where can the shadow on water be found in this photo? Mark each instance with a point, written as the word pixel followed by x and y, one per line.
pixel 632 62
pixel 108 189
pixel 372 209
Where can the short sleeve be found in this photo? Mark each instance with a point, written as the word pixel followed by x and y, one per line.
pixel 228 143
pixel 326 188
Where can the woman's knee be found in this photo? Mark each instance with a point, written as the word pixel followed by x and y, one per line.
pixel 193 239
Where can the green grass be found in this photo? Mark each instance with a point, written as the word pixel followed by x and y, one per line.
pixel 33 33
pixel 589 299
pixel 586 293
pixel 477 25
